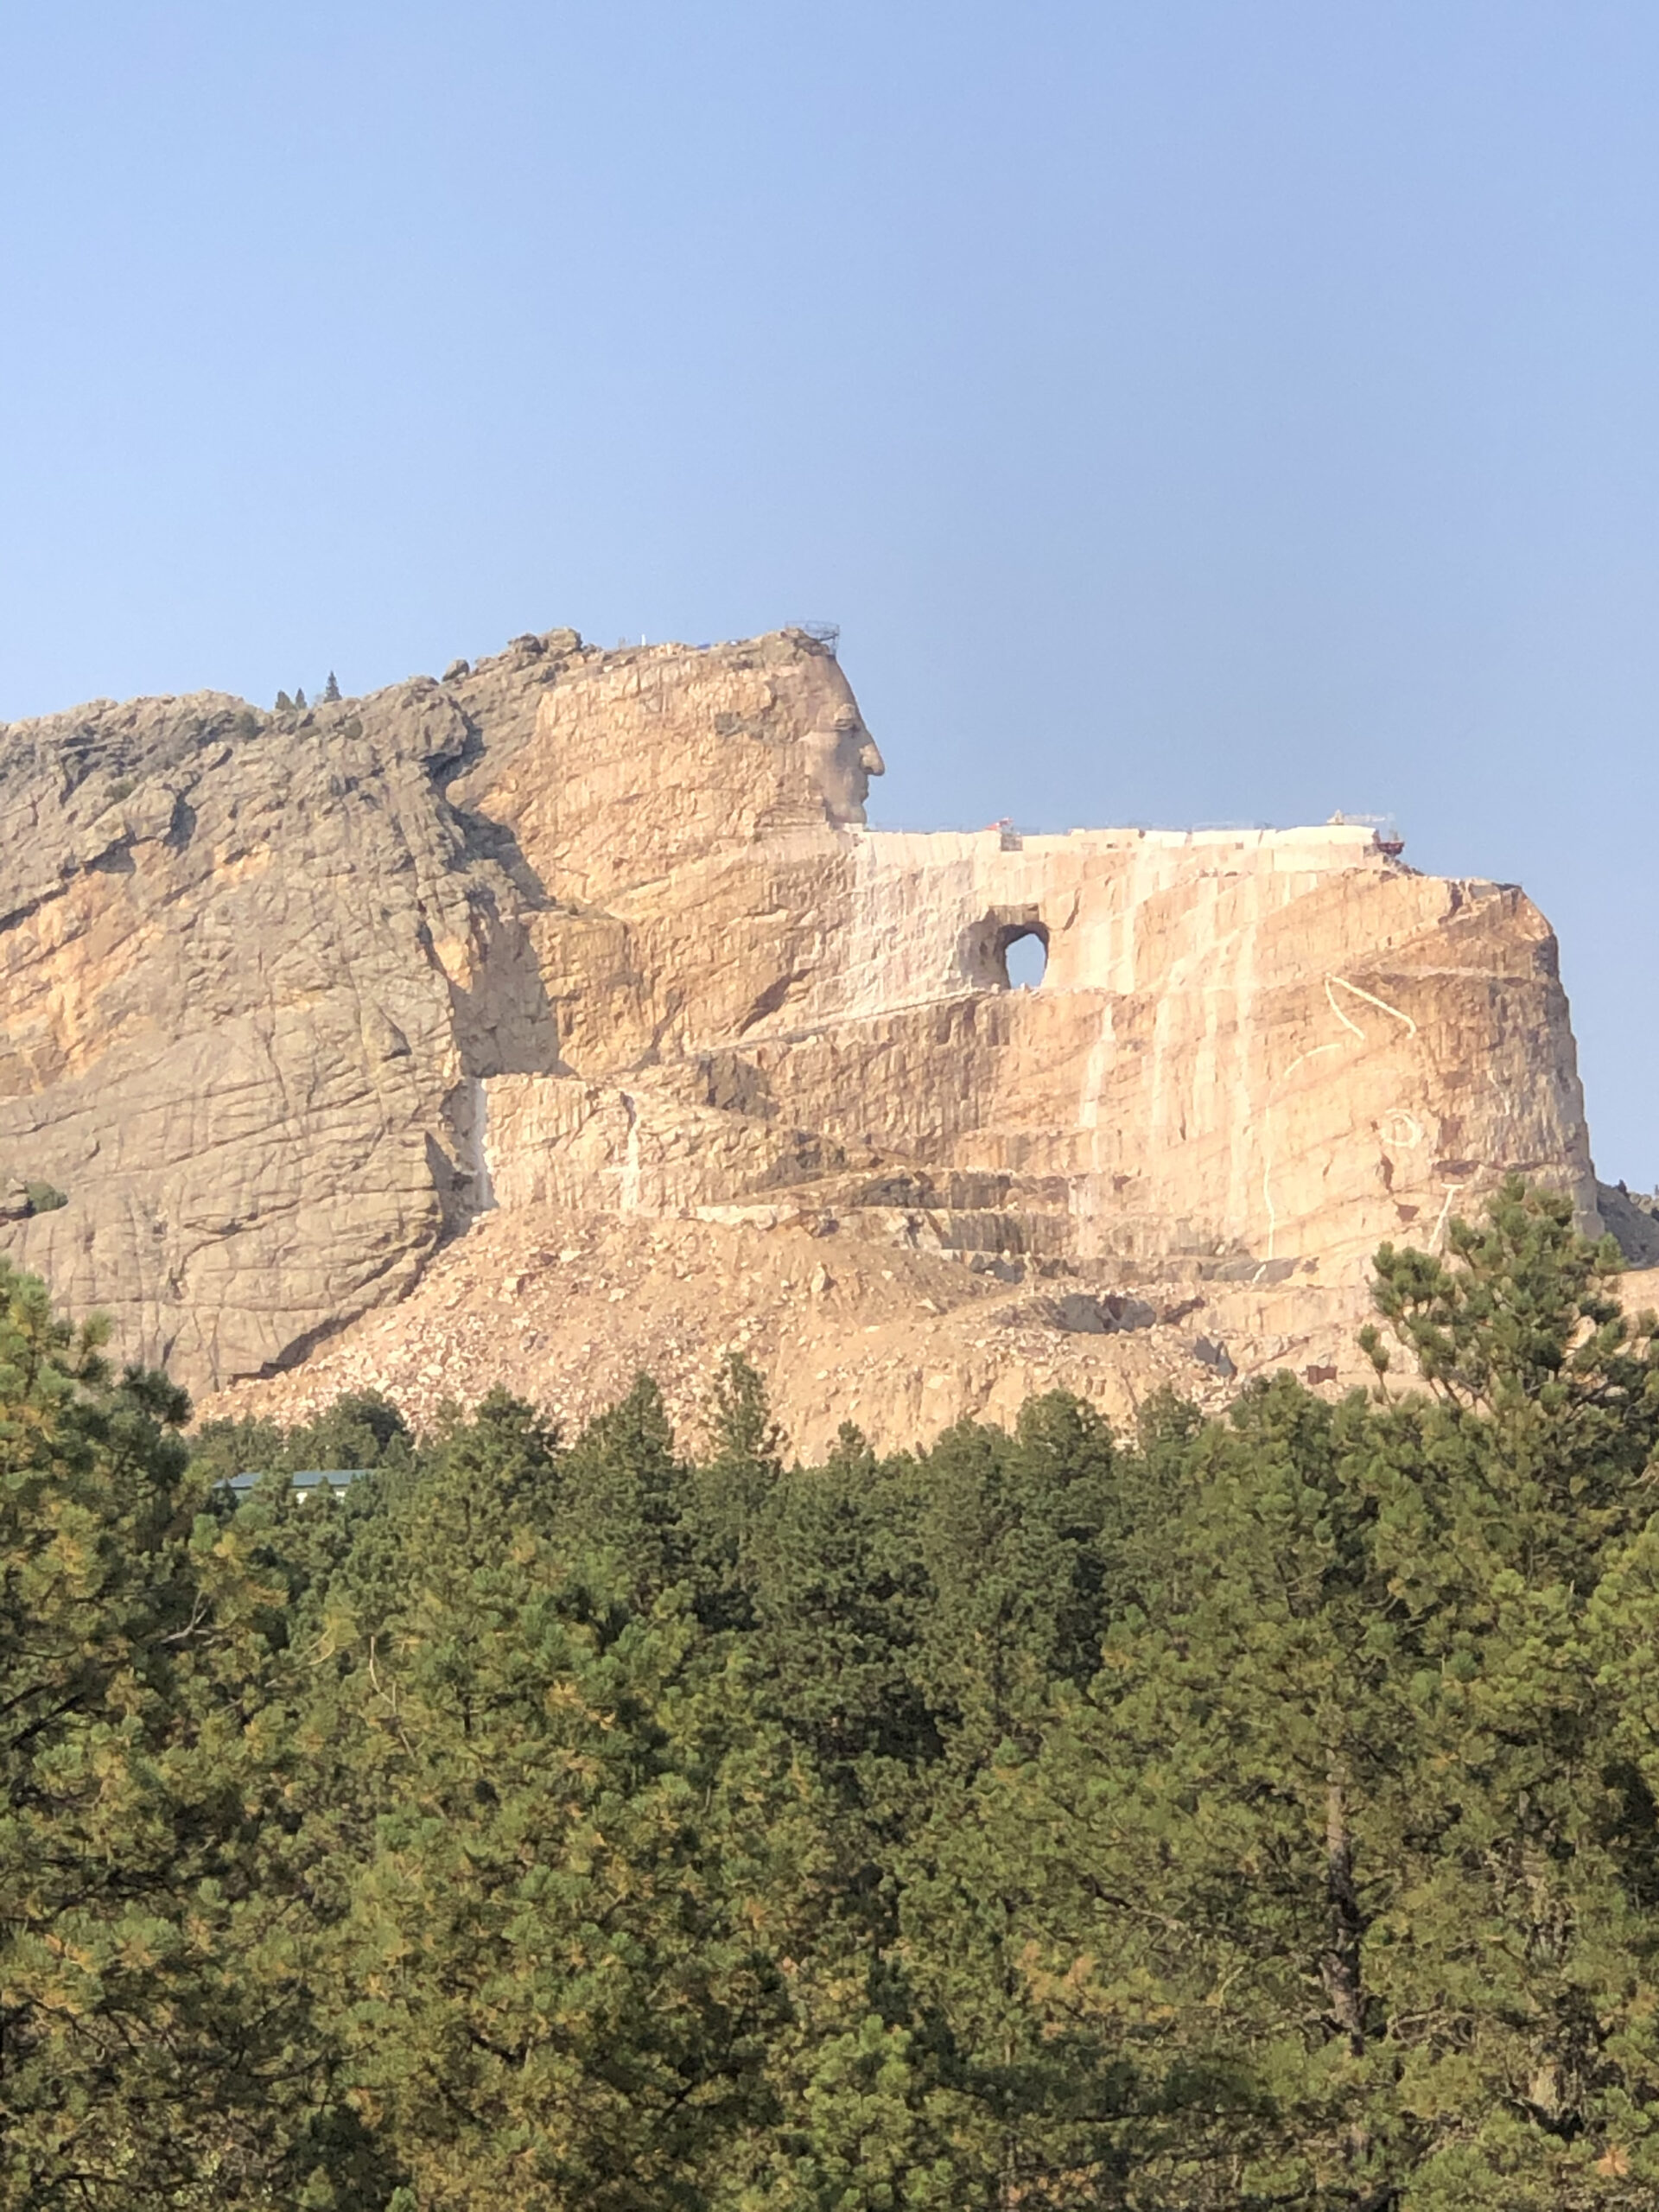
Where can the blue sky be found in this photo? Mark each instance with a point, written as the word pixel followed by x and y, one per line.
pixel 1190 412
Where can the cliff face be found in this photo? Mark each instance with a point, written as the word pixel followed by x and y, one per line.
pixel 288 1000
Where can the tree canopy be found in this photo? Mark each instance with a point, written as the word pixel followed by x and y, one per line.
pixel 1245 1812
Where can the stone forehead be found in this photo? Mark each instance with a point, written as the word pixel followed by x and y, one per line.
pixel 819 687
pixel 801 695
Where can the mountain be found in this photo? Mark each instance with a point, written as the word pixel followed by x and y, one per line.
pixel 581 971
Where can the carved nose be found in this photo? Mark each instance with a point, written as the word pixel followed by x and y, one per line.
pixel 870 760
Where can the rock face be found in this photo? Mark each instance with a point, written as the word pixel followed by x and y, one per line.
pixel 289 1000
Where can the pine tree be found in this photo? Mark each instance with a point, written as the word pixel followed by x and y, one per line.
pixel 1011 1534
pixel 153 2020
pixel 1342 1858
pixel 561 1964
pixel 729 1491
pixel 331 690
pixel 622 1493
pixel 838 1586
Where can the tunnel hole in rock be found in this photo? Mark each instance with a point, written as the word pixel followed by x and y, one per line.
pixel 1024 958
pixel 986 945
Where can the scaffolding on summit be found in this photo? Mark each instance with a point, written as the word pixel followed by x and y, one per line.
pixel 1382 827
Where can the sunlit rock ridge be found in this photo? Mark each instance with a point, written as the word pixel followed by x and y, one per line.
pixel 291 1001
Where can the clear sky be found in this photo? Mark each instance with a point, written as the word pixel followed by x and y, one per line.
pixel 1192 410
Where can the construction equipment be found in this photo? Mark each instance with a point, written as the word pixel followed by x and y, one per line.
pixel 1383 828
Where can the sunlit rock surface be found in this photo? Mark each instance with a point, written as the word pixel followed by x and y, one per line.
pixel 290 1002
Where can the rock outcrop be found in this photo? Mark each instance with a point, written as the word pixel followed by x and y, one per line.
pixel 290 1002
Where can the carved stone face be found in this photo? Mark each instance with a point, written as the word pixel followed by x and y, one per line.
pixel 841 755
